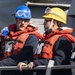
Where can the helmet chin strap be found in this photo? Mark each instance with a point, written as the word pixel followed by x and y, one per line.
pixel 51 24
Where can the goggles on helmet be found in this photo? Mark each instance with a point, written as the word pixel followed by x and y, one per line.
pixel 48 10
pixel 23 14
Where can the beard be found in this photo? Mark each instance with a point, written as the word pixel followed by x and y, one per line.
pixel 48 31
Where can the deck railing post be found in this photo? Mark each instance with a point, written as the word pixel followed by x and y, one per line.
pixel 48 70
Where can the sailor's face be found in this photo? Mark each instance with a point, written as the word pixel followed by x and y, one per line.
pixel 46 24
pixel 21 24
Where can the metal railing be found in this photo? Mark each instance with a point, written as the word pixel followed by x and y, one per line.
pixel 47 68
pixel 47 4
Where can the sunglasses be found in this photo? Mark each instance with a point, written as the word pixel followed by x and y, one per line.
pixel 47 20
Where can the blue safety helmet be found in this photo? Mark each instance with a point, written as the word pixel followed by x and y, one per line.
pixel 23 12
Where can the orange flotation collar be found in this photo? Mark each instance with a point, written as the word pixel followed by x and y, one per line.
pixel 22 36
pixel 50 40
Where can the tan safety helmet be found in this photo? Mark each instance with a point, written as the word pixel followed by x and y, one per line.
pixel 55 13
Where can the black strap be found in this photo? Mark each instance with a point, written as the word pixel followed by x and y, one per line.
pixel 46 42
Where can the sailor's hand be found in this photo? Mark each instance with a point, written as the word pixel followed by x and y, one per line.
pixel 21 64
pixel 31 65
pixel 4 31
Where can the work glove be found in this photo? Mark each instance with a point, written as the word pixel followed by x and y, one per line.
pixel 4 31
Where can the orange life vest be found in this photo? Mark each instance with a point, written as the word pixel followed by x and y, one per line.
pixel 20 37
pixel 50 40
